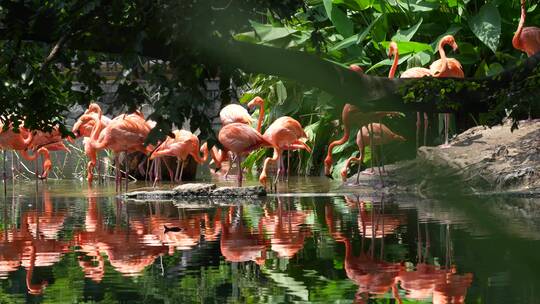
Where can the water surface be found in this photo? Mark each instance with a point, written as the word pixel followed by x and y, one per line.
pixel 65 243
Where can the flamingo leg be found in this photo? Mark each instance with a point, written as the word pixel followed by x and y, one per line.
pixel 127 170
pixel 381 150
pixel 417 130
pixel 181 171
pixel 178 161
pixel 361 161
pixel 155 165
pixel 446 128
pixel 278 170
pixel 116 170
pixel 426 124
pixel 169 170
pixel 239 163
pixel 4 171
pixel 370 131
pixel 288 165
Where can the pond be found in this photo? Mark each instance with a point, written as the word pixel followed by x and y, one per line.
pixel 66 243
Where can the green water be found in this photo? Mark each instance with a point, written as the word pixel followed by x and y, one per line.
pixel 65 243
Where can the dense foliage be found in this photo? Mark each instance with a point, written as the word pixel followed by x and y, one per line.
pixel 52 55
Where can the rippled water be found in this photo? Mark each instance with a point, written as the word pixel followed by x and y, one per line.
pixel 65 243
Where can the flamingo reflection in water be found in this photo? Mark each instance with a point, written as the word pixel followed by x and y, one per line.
pixel 239 243
pixel 30 248
pixel 124 247
pixel 374 276
pixel 285 227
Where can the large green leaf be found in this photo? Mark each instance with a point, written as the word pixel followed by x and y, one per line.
pixel 267 32
pixel 355 39
pixel 487 26
pixel 339 18
pixel 388 62
pixel 406 47
pixel 406 35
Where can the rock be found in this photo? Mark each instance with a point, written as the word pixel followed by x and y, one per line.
pixel 194 189
pixel 251 191
pixel 150 195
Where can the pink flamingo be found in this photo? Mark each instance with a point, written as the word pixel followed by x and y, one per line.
pixel 125 133
pixel 182 145
pixel 446 67
pixel 241 139
pixel 526 39
pixel 379 134
pixel 351 116
pixel 284 133
pixel 232 113
pixel 416 72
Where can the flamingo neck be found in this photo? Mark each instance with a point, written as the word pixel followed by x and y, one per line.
pixel 98 126
pixel 25 155
pixel 516 41
pixel 346 134
pixel 261 117
pixel 442 53
pixel 204 158
pixel 393 69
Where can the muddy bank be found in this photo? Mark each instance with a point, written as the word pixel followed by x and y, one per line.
pixel 491 159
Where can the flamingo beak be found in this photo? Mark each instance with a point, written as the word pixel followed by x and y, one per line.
pixel 329 176
pixel 216 170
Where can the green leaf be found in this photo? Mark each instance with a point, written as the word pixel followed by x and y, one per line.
pixel 407 47
pixel 364 34
pixel 267 32
pixel 281 92
pixel 494 69
pixel 487 26
pixel 418 60
pixel 406 35
pixel 422 6
pixel 340 20
pixel 345 43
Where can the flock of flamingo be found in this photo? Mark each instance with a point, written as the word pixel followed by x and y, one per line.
pixel 127 132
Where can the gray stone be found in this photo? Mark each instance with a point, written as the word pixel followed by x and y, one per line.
pixel 251 191
pixel 149 195
pixel 194 189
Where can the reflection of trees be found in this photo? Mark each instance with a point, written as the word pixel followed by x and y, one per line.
pixel 287 236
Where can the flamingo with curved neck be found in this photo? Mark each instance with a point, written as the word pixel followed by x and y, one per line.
pixel 258 101
pixel 351 115
pixel 526 39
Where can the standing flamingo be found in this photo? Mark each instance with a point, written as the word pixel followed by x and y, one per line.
pixel 259 102
pixel 16 141
pixel 83 127
pixel 45 142
pixel 285 133
pixel 182 145
pixel 232 113
pixel 446 67
pixel 351 116
pixel 526 39
pixel 241 139
pixel 125 133
pixel 416 72
pixel 380 134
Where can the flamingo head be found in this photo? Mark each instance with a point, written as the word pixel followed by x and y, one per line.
pixel 257 101
pixel 343 174
pixel 449 40
pixel 357 69
pixel 392 49
pixel 328 167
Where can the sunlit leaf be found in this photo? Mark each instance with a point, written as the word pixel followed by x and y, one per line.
pixel 339 18
pixel 406 35
pixel 487 26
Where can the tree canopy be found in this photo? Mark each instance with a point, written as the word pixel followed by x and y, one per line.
pixel 47 46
